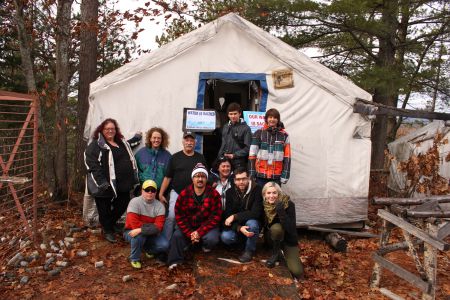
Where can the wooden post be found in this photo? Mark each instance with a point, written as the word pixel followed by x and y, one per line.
pixel 430 262
pixel 376 273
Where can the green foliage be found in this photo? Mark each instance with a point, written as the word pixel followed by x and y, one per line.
pixel 177 28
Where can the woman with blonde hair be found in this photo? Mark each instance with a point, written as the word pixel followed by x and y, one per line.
pixel 281 230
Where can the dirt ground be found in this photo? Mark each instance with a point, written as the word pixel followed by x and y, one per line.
pixel 329 275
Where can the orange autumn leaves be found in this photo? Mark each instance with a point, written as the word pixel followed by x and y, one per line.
pixel 422 170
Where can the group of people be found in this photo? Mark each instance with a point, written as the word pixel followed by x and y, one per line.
pixel 180 204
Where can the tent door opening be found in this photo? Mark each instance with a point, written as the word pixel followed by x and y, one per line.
pixel 218 95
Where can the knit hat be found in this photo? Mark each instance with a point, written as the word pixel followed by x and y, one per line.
pixel 199 168
pixel 149 183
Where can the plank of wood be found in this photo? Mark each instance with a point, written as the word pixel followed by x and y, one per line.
pixel 429 214
pixel 347 232
pixel 427 206
pixel 390 294
pixel 402 273
pixel 444 231
pixel 417 232
pixel 373 108
pixel 397 246
pixel 14 179
pixel 410 201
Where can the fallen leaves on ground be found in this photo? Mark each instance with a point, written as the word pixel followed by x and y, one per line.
pixel 329 275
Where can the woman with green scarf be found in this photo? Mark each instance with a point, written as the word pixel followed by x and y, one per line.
pixel 281 228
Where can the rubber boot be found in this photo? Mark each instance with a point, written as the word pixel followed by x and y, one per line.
pixel 276 253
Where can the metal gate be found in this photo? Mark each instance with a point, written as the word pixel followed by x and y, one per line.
pixel 18 171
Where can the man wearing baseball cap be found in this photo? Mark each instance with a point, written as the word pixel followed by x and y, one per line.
pixel 178 176
pixel 198 211
pixel 144 223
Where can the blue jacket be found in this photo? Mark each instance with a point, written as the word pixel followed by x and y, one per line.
pixel 152 164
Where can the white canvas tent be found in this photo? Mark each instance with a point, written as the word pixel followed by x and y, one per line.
pixel 415 143
pixel 330 144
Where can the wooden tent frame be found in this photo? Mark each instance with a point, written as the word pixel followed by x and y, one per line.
pixel 423 223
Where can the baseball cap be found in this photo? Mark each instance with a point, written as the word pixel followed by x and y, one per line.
pixel 188 133
pixel 149 183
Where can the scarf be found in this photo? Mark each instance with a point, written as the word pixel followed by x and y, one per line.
pixel 270 209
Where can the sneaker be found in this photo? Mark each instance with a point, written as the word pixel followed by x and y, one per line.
pixel 110 238
pixel 172 267
pixel 206 250
pixel 149 255
pixel 246 257
pixel 136 264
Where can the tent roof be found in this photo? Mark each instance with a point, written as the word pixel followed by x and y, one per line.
pixel 290 56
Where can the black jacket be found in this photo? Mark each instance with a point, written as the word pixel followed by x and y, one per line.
pixel 286 217
pixel 100 164
pixel 243 207
pixel 236 139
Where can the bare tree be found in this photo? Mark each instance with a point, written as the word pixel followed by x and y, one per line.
pixel 63 38
pixel 87 74
pixel 24 45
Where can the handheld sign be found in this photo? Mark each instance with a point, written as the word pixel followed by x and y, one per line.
pixel 254 119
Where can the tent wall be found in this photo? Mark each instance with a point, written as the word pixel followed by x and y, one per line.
pixel 330 168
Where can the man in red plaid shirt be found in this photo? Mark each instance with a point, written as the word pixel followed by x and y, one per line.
pixel 198 211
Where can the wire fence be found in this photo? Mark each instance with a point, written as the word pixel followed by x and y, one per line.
pixel 18 172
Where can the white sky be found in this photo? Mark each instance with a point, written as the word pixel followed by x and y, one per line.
pixel 146 38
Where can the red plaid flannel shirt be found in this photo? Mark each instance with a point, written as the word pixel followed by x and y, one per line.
pixel 192 216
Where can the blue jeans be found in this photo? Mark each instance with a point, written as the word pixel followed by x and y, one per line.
pixel 179 243
pixel 230 237
pixel 169 224
pixel 152 244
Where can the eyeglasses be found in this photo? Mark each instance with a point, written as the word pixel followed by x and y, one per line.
pixel 109 129
pixel 150 189
pixel 200 176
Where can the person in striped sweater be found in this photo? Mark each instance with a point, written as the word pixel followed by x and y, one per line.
pixel 270 151
pixel 144 223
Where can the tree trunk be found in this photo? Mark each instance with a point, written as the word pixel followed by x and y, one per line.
pixel 87 72
pixel 385 92
pixel 438 78
pixel 25 47
pixel 63 39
